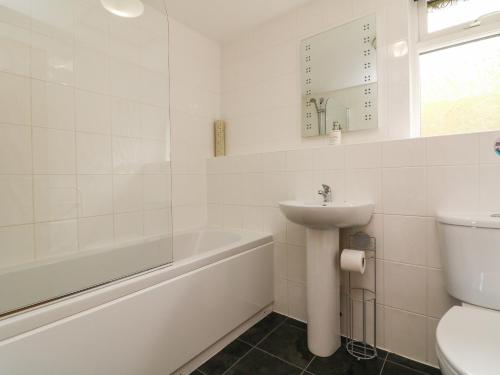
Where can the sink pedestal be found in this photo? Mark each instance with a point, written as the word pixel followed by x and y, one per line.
pixel 323 291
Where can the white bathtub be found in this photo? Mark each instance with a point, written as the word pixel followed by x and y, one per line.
pixel 151 323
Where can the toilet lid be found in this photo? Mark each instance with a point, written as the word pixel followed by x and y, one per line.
pixel 469 339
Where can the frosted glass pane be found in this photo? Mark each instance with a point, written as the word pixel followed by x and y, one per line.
pixel 460 88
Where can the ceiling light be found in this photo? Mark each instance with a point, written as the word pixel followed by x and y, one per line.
pixel 124 8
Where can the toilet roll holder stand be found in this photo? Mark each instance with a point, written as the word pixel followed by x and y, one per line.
pixel 362 300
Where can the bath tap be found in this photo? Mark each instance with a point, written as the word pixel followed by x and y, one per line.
pixel 326 193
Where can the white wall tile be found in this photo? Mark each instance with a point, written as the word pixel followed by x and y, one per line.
pixel 55 197
pixel 296 263
pixel 438 300
pixel 16 245
pixel 299 160
pixel 53 105
pixel 91 70
pixel 92 112
pixel 364 185
pixel 431 341
pixel 280 260
pixel 16 13
pixel 129 226
pixel 157 191
pixel 295 234
pixel 189 217
pixel 16 200
pixel 297 300
pixel 157 222
pixel 215 215
pixel 15 149
pixel 95 232
pixel 15 49
pixel 404 191
pixel 367 155
pixel 280 295
pixel 405 239
pixel 126 118
pixel 154 122
pixel 252 219
pixel 454 189
pixel 405 287
pixel 128 192
pixel 53 18
pixel 189 189
pixel 44 52
pixel 95 195
pixel 93 153
pixel 53 151
pixel 300 185
pixel 15 103
pixel 406 334
pixel 274 222
pixel 56 238
pixel 233 216
pixel 404 153
pixel 453 150
pixel 489 197
pixel 126 155
pixel 433 251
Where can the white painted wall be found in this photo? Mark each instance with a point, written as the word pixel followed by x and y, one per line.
pixel 261 80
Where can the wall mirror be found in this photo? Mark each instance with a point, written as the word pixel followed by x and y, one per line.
pixel 339 75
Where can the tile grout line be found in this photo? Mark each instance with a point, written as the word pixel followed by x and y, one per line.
pixel 281 359
pixel 254 346
pixel 407 367
pixel 383 364
pixel 309 364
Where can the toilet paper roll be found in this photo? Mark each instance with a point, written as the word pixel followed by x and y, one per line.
pixel 353 261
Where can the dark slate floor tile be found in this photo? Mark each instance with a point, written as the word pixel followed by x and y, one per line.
pixel 289 343
pixel 197 372
pixel 391 368
pixel 259 363
pixel 225 358
pixel 413 364
pixel 297 323
pixel 256 333
pixel 342 363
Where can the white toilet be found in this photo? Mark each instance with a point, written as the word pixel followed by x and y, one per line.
pixel 468 336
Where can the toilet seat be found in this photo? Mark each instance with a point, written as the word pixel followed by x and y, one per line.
pixel 467 341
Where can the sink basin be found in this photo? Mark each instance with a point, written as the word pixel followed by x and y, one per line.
pixel 331 215
pixel 323 222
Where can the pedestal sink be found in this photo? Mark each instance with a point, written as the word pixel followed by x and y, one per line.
pixel 322 222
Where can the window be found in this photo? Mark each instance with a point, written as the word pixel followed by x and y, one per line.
pixel 460 88
pixel 443 14
pixel 458 59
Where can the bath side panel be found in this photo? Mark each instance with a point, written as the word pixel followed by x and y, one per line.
pixel 150 332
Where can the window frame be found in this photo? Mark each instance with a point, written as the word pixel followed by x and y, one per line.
pixel 425 42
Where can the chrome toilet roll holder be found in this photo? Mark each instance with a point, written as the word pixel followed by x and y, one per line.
pixel 362 300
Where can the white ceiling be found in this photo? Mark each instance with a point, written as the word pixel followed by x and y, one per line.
pixel 223 20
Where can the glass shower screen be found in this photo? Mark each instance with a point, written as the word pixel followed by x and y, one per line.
pixel 85 179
